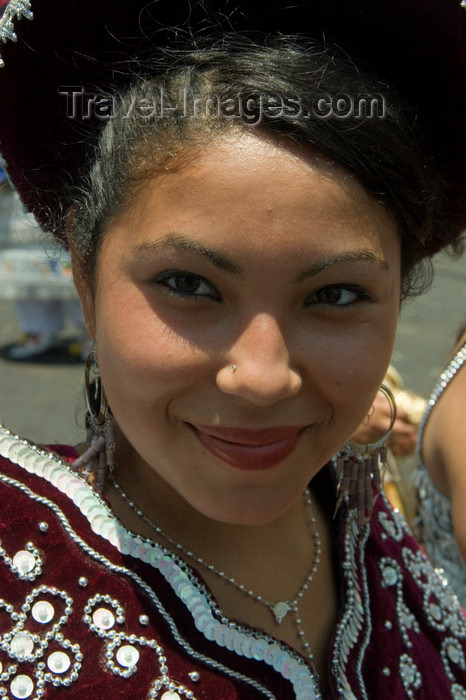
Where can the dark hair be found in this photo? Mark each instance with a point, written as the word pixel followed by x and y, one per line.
pixel 383 149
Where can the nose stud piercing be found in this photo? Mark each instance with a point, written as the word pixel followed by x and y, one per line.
pixel 233 368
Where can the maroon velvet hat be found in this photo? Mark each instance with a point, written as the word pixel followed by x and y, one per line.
pixel 419 46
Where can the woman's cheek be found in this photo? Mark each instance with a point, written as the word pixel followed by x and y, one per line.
pixel 147 367
pixel 358 350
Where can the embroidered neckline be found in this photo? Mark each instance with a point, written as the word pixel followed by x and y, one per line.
pixel 119 569
pixel 207 618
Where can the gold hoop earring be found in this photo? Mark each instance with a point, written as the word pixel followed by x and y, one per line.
pixel 360 467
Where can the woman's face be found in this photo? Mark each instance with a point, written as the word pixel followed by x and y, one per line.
pixel 244 315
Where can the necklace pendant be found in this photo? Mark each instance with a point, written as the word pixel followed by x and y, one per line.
pixel 280 610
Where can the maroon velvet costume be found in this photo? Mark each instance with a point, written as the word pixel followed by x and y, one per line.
pixel 401 633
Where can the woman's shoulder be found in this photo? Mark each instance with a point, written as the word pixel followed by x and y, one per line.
pixel 34 474
pixel 41 497
pixel 442 424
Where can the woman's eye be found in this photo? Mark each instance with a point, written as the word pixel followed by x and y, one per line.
pixel 338 295
pixel 185 284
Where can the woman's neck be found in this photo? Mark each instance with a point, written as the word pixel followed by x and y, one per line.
pixel 228 546
pixel 271 560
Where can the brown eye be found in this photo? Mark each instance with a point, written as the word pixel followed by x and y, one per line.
pixel 338 295
pixel 188 284
pixel 330 295
pixel 185 284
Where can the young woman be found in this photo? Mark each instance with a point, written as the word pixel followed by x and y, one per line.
pixel 242 233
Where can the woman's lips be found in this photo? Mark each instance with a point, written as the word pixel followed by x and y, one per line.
pixel 249 449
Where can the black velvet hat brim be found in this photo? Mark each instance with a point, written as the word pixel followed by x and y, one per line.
pixel 419 46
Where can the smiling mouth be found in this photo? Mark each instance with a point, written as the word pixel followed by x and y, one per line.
pixel 248 449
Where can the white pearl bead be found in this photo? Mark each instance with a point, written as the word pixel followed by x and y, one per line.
pixel 21 645
pixel 58 662
pixel 127 656
pixel 43 611
pixel 103 618
pixel 453 653
pixel 24 561
pixel 21 687
pixel 169 695
pixel 390 575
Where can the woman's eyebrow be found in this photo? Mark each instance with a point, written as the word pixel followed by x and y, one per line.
pixel 180 242
pixel 364 255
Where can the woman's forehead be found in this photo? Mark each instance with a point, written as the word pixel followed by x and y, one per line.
pixel 247 194
pixel 270 174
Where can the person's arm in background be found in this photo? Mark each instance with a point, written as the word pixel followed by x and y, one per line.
pixel 444 450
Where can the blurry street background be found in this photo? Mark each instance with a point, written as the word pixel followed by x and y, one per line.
pixel 42 399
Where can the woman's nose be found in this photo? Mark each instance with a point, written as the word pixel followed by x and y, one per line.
pixel 259 368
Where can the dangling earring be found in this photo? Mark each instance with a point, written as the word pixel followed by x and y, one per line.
pixel 99 458
pixel 359 466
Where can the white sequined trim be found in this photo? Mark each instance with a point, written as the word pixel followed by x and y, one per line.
pixel 121 570
pixel 224 633
pixel 356 618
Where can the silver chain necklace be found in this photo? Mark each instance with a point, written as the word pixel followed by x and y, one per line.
pixel 280 609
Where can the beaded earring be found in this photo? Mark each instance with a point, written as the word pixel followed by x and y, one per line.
pixel 360 467
pixel 99 458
